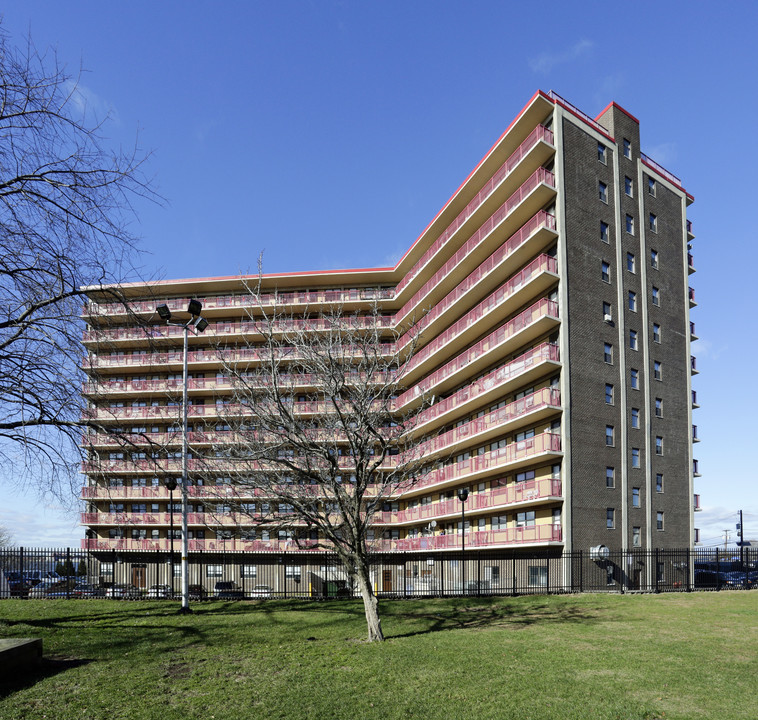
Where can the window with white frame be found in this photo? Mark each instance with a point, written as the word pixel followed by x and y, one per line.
pixel 608 353
pixel 602 191
pixel 630 263
pixel 634 378
pixel 632 301
pixel 602 154
pixel 525 519
pixel 610 477
pixel 633 340
pixel 609 435
pixel 654 259
pixel 656 296
pixel 659 482
pixel 628 186
pixel 635 457
pixel 657 370
pixel 656 332
pixel 537 576
pixel 610 518
pixel 627 148
pixel 630 224
pixel 604 233
pixel 658 407
pixel 249 571
pixel 651 188
pixel 635 497
pixel 636 418
pixel 608 394
pixel 636 537
pixel 653 223
pixel 214 571
pixel 659 521
pixel 658 445
pixel 605 271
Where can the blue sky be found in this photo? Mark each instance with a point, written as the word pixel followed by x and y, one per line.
pixel 328 134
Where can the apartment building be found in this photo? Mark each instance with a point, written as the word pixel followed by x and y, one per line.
pixel 554 291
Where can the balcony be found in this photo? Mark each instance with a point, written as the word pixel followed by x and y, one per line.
pixel 230 545
pixel 532 535
pixel 695 438
pixel 518 454
pixel 540 133
pixel 520 330
pixel 523 369
pixel 694 400
pixel 693 334
pixel 533 407
pixel 246 300
pixel 691 296
pixel 494 308
pixel 531 491
pixel 696 504
pixel 690 231
pixel 690 263
pixel 696 468
pixel 693 365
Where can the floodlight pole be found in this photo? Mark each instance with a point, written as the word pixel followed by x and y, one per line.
pixel 198 324
pixel 185 540
pixel 463 496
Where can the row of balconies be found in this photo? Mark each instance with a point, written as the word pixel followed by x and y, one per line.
pixel 530 492
pixel 540 133
pixel 494 308
pixel 533 534
pixel 538 319
pixel 246 301
pixel 469 249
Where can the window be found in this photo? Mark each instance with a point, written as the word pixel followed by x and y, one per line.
pixel 651 189
pixel 605 271
pixel 653 223
pixel 500 522
pixel 659 521
pixel 656 296
pixel 658 445
pixel 608 353
pixel 630 262
pixel 636 418
pixel 537 576
pixel 636 537
pixel 635 457
pixel 658 407
pixel 212 571
pixel 604 235
pixel 654 259
pixel 630 224
pixel 292 572
pixel 602 191
pixel 627 149
pixel 659 482
pixel 106 568
pixel 609 435
pixel 633 340
pixel 657 370
pixel 656 332
pixel 628 187
pixel 525 519
pixel 249 571
pixel 525 476
pixel 610 477
pixel 602 154
pixel 635 497
pixel 610 518
pixel 607 315
pixel 634 377
pixel 608 394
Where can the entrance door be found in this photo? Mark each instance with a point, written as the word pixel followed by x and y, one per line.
pixel 386 580
pixel 139 576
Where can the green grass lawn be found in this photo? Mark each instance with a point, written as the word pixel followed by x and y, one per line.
pixel 589 656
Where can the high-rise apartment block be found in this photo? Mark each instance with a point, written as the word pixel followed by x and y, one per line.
pixel 554 291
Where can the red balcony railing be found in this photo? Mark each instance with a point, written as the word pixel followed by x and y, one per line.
pixel 696 504
pixel 545 352
pixel 541 219
pixel 689 227
pixel 513 494
pixel 661 170
pixel 693 363
pixel 691 294
pixel 544 398
pixel 511 536
pixel 542 309
pixel 496 459
pixel 539 133
pixel 484 308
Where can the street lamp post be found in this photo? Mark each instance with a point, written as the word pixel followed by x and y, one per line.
pixel 463 496
pixel 171 486
pixel 198 325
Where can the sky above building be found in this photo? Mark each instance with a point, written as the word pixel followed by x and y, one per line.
pixel 327 134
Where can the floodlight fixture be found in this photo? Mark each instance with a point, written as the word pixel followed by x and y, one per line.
pixel 164 312
pixel 201 324
pixel 195 307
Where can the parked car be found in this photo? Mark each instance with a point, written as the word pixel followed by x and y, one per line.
pixel 197 592
pixel 227 590
pixel 17 584
pixel 261 591
pixel 123 592
pixel 87 590
pixel 737 579
pixel 159 592
pixel 58 588
pixel 62 589
pixel 709 579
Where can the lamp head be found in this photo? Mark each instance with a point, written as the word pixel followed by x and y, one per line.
pixel 201 324
pixel 170 484
pixel 195 307
pixel 164 312
pixel 463 494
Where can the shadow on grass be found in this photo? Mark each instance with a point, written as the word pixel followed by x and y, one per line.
pixel 47 667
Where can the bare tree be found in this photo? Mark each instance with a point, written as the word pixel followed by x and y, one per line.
pixel 6 537
pixel 318 441
pixel 65 205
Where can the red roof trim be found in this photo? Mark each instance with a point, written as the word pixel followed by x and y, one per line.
pixel 618 107
pixel 478 165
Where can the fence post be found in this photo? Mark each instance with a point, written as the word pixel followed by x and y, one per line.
pixel 581 571
pixel 513 572
pixel 68 567
pixel 690 560
pixel 656 570
pixel 21 564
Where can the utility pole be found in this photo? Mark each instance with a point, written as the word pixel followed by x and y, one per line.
pixel 726 538
pixel 742 539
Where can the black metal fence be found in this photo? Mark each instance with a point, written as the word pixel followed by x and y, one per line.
pixel 71 573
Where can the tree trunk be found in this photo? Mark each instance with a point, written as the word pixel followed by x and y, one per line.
pixel 370 602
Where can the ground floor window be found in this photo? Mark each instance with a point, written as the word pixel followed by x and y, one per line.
pixel 537 576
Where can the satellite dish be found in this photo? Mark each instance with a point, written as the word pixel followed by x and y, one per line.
pixel 433 524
